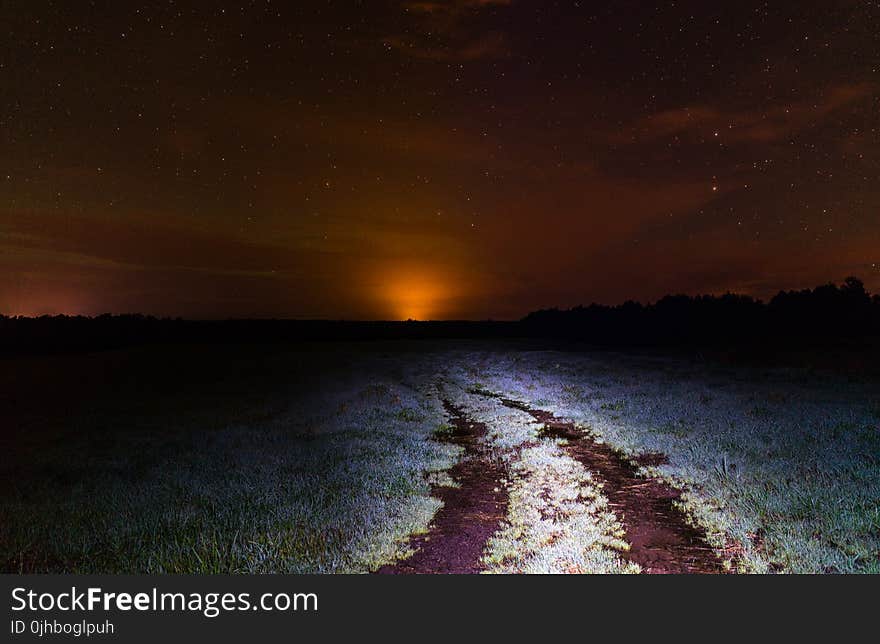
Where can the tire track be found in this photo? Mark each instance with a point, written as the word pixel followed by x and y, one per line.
pixel 661 540
pixel 471 512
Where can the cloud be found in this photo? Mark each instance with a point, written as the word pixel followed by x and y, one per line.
pixel 370 139
pixel 764 125
pixel 140 243
pixel 492 45
pixel 451 32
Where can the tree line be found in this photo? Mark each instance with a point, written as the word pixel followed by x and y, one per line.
pixel 827 314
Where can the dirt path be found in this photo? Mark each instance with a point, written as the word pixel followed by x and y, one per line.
pixel 661 540
pixel 471 512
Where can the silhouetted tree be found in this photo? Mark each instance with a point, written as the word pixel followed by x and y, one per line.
pixel 827 313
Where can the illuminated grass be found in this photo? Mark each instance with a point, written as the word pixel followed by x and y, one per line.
pixel 310 459
pixel 332 480
pixel 557 520
pixel 782 468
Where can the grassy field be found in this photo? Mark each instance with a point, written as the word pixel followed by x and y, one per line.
pixel 321 458
pixel 258 459
pixel 780 467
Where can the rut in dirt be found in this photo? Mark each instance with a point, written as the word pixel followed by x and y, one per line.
pixel 471 512
pixel 661 540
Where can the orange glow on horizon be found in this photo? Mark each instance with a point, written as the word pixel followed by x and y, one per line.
pixel 416 295
pixel 39 304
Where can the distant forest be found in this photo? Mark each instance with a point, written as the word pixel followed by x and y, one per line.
pixel 825 314
pixel 830 314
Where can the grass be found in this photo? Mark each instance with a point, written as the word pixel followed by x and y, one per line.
pixel 558 520
pixel 781 468
pixel 444 431
pixel 321 458
pixel 282 480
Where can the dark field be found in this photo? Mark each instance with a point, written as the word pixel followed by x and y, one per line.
pixel 329 457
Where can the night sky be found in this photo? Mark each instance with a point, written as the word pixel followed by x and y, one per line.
pixel 466 159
